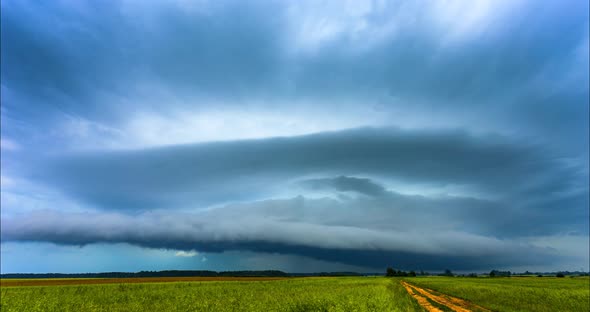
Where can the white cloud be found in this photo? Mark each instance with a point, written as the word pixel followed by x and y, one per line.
pixel 8 144
pixel 466 20
pixel 314 25
pixel 366 23
pixel 190 253
pixel 84 133
pixel 21 196
pixel 573 245
pixel 6 181
pixel 151 129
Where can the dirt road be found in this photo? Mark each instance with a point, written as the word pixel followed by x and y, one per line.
pixel 434 301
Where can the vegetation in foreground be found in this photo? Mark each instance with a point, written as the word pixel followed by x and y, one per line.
pixel 301 294
pixel 296 294
pixel 515 293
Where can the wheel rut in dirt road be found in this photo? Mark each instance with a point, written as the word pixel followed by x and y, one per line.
pixel 422 301
pixel 432 301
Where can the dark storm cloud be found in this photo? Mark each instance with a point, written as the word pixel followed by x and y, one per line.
pixel 106 61
pixel 201 174
pixel 261 230
pixel 343 183
pixel 532 194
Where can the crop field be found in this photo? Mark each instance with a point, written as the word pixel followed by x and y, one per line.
pixel 515 293
pixel 297 294
pixel 294 294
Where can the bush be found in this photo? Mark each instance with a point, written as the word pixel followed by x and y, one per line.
pixel 559 275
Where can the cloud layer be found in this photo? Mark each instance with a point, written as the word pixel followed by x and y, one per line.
pixel 212 172
pixel 374 237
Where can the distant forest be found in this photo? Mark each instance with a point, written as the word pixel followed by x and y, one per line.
pixel 176 273
pixel 272 273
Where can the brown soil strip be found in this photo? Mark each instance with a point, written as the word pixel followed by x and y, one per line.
pixel 460 302
pixel 421 300
pixel 453 303
pixel 90 281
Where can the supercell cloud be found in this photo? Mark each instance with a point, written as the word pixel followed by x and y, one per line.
pixel 351 134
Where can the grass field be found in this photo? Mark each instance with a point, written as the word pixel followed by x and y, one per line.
pixel 289 294
pixel 515 293
pixel 295 294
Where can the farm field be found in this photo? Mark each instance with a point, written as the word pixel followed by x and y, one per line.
pixel 515 293
pixel 294 294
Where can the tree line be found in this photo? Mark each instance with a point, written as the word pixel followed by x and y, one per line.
pixel 168 273
pixel 390 272
pixel 180 273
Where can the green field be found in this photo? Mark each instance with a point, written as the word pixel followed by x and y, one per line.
pixel 297 294
pixel 515 293
pixel 300 294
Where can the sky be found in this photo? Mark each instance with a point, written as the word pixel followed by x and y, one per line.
pixel 300 136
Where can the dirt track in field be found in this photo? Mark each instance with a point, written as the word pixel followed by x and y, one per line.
pixel 425 296
pixel 89 281
pixel 421 300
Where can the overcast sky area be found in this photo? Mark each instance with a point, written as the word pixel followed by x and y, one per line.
pixel 294 135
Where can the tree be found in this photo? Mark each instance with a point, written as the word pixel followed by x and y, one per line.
pixel 448 272
pixel 496 273
pixel 412 274
pixel 390 272
pixel 559 275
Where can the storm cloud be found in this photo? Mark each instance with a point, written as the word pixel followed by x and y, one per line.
pixel 210 172
pixel 428 134
pixel 372 237
pixel 367 231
